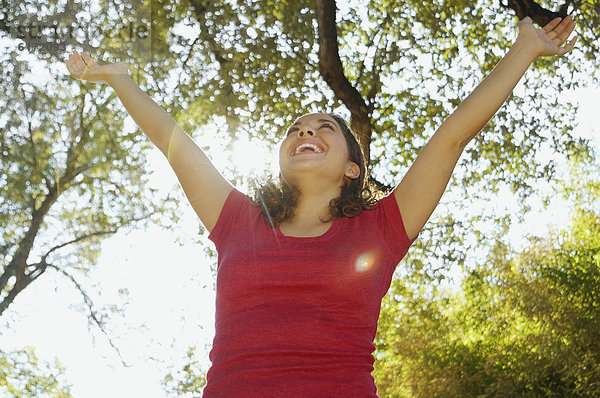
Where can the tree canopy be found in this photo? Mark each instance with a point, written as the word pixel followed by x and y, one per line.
pixel 22 375
pixel 72 172
pixel 524 323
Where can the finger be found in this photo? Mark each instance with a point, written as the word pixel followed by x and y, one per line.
pixel 80 64
pixel 89 60
pixel 73 68
pixel 564 35
pixel 564 24
pixel 73 65
pixel 568 47
pixel 549 27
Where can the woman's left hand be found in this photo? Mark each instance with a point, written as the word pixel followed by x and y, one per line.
pixel 550 39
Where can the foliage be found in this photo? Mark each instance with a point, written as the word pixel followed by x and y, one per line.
pixel 70 173
pixel 255 66
pixel 252 67
pixel 23 376
pixel 249 68
pixel 190 379
pixel 524 324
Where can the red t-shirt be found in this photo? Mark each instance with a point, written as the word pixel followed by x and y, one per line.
pixel 296 317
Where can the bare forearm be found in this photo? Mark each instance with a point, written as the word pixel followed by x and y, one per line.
pixel 149 116
pixel 420 190
pixel 479 107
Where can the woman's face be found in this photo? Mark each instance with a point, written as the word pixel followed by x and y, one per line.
pixel 316 144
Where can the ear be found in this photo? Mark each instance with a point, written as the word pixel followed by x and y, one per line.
pixel 352 170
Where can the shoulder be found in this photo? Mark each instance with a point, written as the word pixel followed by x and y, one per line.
pixel 384 206
pixel 239 212
pixel 388 218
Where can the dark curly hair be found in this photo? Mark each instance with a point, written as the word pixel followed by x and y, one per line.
pixel 277 199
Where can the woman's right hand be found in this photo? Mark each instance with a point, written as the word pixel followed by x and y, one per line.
pixel 83 67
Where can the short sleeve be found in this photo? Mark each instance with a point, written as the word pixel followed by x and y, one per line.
pixel 392 226
pixel 236 206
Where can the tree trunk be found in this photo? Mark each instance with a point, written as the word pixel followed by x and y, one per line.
pixel 539 15
pixel 18 263
pixel 330 66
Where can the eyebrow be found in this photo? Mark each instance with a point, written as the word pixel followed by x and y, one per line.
pixel 320 121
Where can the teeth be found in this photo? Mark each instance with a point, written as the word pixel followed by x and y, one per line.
pixel 307 145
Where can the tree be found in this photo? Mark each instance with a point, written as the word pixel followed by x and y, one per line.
pixel 397 68
pixel 22 375
pixel 260 64
pixel 524 323
pixel 188 380
pixel 71 174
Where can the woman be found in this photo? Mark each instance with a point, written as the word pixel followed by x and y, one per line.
pixel 301 277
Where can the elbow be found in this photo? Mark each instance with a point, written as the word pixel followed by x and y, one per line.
pixel 465 141
pixel 457 135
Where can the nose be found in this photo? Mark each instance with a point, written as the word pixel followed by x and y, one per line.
pixel 305 132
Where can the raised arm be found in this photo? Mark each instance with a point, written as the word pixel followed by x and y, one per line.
pixel 203 185
pixel 423 185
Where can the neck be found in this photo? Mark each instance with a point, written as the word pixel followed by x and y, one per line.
pixel 311 210
pixel 313 206
pixel 309 213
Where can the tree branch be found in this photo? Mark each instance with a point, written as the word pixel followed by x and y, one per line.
pixel 16 267
pixel 24 278
pixel 23 282
pixel 330 66
pixel 539 15
pixel 79 239
pixel 94 316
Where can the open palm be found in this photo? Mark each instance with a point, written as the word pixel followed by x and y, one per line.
pixel 83 67
pixel 550 39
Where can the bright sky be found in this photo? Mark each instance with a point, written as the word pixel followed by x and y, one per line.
pixel 171 298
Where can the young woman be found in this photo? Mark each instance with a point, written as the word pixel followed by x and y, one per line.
pixel 303 268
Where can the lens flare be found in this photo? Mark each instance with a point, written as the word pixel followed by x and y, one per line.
pixel 364 262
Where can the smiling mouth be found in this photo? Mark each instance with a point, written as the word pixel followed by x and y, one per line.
pixel 307 148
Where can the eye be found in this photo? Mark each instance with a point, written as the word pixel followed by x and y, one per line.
pixel 291 130
pixel 328 126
